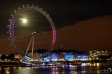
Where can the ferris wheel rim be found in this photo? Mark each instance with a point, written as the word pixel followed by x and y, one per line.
pixel 14 17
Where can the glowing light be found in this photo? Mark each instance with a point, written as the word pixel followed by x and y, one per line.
pixel 69 57
pixel 98 64
pixel 24 20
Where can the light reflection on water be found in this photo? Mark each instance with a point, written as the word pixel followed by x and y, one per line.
pixel 85 68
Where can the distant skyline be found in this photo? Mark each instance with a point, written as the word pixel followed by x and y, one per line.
pixel 86 25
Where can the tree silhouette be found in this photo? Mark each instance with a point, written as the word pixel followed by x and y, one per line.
pixel 3 57
pixel 11 57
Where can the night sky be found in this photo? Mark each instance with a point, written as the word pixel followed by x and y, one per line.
pixel 81 24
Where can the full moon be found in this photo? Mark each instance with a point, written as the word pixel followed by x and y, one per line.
pixel 24 20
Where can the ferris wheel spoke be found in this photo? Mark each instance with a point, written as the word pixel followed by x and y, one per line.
pixel 15 17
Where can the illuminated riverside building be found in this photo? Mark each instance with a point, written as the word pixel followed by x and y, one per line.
pixel 51 57
pixel 58 55
pixel 82 57
pixel 68 56
pixel 94 54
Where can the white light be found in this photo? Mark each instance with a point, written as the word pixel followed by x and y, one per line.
pixel 24 20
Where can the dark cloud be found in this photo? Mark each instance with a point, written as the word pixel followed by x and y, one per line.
pixel 63 13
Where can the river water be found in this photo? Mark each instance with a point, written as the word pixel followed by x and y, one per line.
pixel 85 68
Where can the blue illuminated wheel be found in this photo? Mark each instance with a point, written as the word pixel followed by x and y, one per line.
pixel 15 17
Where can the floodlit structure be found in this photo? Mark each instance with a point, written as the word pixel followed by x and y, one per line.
pixel 68 56
pixel 94 54
pixel 82 57
pixel 55 56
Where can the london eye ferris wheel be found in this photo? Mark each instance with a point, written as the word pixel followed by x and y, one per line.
pixel 15 17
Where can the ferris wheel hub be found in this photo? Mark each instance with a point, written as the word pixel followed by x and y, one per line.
pixel 15 17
